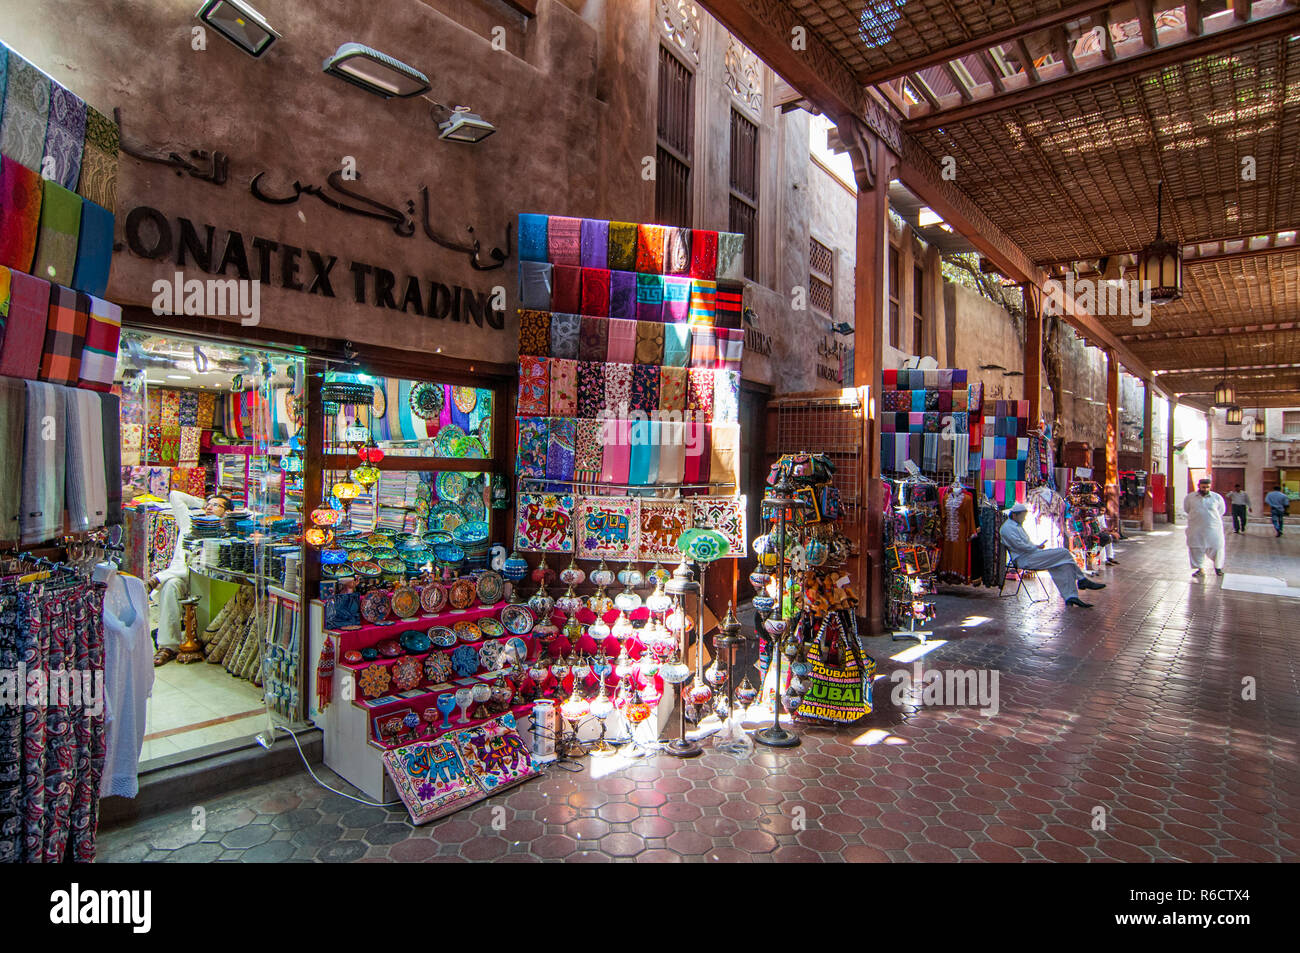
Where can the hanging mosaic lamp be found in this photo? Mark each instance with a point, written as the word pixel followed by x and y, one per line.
pixel 366 475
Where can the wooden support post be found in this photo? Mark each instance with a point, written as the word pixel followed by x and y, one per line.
pixel 1148 502
pixel 1112 436
pixel 1170 510
pixel 1033 353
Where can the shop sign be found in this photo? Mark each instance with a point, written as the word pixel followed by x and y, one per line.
pixel 150 235
pixel 757 342
pixel 1227 452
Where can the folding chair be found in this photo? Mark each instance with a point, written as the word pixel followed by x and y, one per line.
pixel 1021 576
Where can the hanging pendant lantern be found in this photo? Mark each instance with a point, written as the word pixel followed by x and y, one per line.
pixel 1225 395
pixel 1261 425
pixel 1160 264
pixel 1233 415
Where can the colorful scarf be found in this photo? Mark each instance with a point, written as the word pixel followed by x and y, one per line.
pixel 622 341
pixel 589 449
pixel 617 458
pixel 535 285
pixel 65 136
pixel 697 455
pixel 729 306
pixel 564 240
pixel 726 397
pixel 649 297
pixel 98 181
pixel 677 299
pixel 564 388
pixel 622 294
pixel 650 249
pixel 65 336
pixel 13 413
pixel 532 237
pixel 56 248
pixel 724 454
pixel 595 291
pixel 677 251
pixel 566 289
pixel 21 193
pixel 110 415
pixel 565 332
pixel 677 345
pixel 560 450
pixel 593 339
pixel 731 348
pixel 532 442
pixel 703 296
pixel 534 387
pixel 731 256
pixel 704 255
pixel 704 347
pixel 99 356
pixel 622 246
pixel 699 394
pixel 26 113
pixel 640 452
pixel 44 463
pixel 618 388
pixel 94 250
pixel 591 388
pixel 595 243
pixel 645 388
pixel 649 342
pixel 672 451
pixel 534 332
pixel 85 493
pixel 672 388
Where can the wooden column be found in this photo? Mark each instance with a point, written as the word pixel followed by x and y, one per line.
pixel 1033 352
pixel 1170 509
pixel 1112 435
pixel 872 168
pixel 1148 503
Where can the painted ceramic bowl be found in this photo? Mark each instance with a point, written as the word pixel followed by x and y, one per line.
pixel 352 657
pixel 462 593
pixel 491 628
pixel 491 587
pixel 442 636
pixel 437 667
pixel 406 602
pixel 366 568
pixel 467 631
pixel 520 648
pixel 433 598
pixel 518 620
pixel 407 673
pixel 489 655
pixel 390 648
pixel 416 642
pixel 375 605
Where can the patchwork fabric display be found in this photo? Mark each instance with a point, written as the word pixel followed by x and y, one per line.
pixel 431 778
pixel 65 136
pixel 566 289
pixel 622 294
pixel 662 523
pixel 21 193
pixel 564 388
pixel 1004 466
pixel 532 441
pixel 918 422
pixel 534 387
pixel 593 339
pixel 534 332
pixel 26 101
pixel 622 246
pixel 98 180
pixel 650 249
pixel 565 335
pixel 608 527
pixel 544 522
pixel 726 514
pixel 25 310
pixel 495 754
pixel 56 244
pixel 65 336
pixel 594 243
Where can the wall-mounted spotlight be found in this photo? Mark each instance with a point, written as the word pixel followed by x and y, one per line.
pixel 240 24
pixel 375 72
pixel 459 124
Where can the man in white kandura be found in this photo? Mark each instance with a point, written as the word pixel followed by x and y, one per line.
pixel 1057 563
pixel 172 583
pixel 1205 510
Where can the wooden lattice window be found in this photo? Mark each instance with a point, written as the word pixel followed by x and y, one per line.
pixel 743 211
pixel 821 277
pixel 918 310
pixel 894 281
pixel 676 133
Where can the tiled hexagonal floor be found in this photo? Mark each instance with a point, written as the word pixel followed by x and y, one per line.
pixel 1131 714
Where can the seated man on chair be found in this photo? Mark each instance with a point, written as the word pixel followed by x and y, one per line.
pixel 1057 563
pixel 173 582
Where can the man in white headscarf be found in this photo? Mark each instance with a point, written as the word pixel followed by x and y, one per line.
pixel 1057 562
pixel 1205 539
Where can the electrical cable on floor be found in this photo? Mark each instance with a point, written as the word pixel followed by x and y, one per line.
pixel 266 743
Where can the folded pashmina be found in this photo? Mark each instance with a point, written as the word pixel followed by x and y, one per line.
pixel 649 297
pixel 704 347
pixel 534 387
pixel 618 388
pixel 564 240
pixel 13 415
pixel 672 451
pixel 595 243
pixel 677 251
pixel 595 291
pixel 650 249
pixel 566 289
pixel 535 285
pixel 591 388
pixel 622 341
pixel 26 102
pixel 44 463
pixel 565 334
pixel 703 295
pixel 25 312
pixel 65 336
pixel 677 299
pixel 84 491
pixel 56 244
pixel 652 468
pixel 622 294
pixel 704 255
pixel 673 383
pixel 21 193
pixel 698 456
pixel 724 454
pixel 731 256
pixel 726 397
pixel 531 445
pixel 645 388
pixel 560 450
pixel 532 237
pixel 887 423
pixel 99 355
pixel 617 460
pixel 731 348
pixel 65 137
pixel 593 339
pixel 639 453
pixel 945 378
pixel 564 388
pixel 622 246
pixel 98 180
pixel 94 250
pixel 535 332
pixel 677 345
pixel 729 306
pixel 110 420
pixel 649 342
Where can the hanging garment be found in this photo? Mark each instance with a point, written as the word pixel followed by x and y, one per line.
pixel 958 512
pixel 128 682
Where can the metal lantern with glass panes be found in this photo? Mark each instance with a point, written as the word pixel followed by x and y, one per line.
pixel 778 505
pixel 675 671
pixel 1160 264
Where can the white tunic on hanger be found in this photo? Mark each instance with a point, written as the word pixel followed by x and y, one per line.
pixel 128 682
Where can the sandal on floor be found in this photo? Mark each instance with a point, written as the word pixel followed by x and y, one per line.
pixel 163 656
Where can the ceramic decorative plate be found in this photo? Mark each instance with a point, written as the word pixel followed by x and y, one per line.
pixel 426 400
pixel 374 680
pixel 352 543
pixel 437 667
pixel 490 588
pixel 518 620
pixel 491 628
pixel 433 598
pixel 467 631
pixel 380 553
pixel 390 648
pixel 406 602
pixel 465 399
pixel 489 655
pixel 474 531
pixel 375 604
pixel 407 673
pixel 436 536
pixel 446 517
pixel 464 660
pixel 468 446
pixel 520 647
pixel 392 564
pixel 445 442
pixel 442 637
pixel 379 541
pixel 451 486
pixel 471 503
pixel 406 541
pixel 361 555
pixel 462 593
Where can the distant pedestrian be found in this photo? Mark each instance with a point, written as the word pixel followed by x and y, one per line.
pixel 1240 502
pixel 1278 503
pixel 1204 510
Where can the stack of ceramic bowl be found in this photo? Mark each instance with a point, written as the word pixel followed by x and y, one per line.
pixel 473 538
pixel 449 556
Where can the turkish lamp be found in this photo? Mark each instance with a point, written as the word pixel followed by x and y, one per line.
pixel 366 475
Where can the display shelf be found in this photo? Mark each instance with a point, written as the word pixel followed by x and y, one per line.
pixel 369 635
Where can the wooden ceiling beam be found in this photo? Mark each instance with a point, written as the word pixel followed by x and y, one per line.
pixel 962 88
pixel 1256 31
pixel 1213 332
pixel 1146 17
pixel 1192 13
pixel 919 84
pixel 1108 42
pixel 1061 43
pixel 1027 61
pixel 990 67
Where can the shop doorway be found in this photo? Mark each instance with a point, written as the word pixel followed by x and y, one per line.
pixel 212 470
pixel 1227 479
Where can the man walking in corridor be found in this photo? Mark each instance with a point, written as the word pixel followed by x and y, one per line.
pixel 1205 510
pixel 1278 503
pixel 1239 500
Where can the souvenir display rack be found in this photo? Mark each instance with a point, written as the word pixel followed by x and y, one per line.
pixel 1004 471
pixel 912 545
pixel 926 418
pixel 1085 519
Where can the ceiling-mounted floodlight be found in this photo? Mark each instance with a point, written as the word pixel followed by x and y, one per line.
pixel 461 125
pixel 240 24
pixel 376 72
